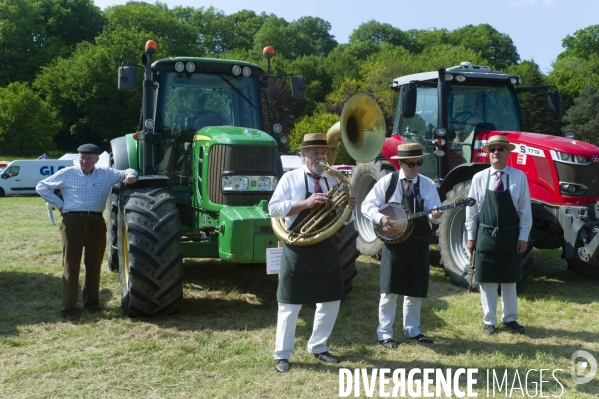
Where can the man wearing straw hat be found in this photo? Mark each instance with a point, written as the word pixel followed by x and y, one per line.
pixel 498 226
pixel 404 266
pixel 309 274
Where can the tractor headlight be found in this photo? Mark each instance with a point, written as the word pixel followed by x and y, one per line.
pixel 564 156
pixel 233 183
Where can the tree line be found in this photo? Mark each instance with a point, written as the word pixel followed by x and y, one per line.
pixel 59 60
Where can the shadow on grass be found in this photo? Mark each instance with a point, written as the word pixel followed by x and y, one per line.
pixel 27 298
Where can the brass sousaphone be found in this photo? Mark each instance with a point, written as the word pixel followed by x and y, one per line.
pixel 362 131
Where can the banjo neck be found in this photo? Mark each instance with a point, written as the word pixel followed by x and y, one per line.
pixel 426 212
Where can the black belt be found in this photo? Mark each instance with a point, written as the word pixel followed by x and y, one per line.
pixel 83 213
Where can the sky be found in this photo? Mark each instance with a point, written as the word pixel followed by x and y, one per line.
pixel 536 27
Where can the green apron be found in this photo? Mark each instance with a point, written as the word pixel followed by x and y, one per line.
pixel 497 239
pixel 310 274
pixel 405 266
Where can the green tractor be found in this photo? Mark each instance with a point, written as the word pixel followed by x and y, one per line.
pixel 207 171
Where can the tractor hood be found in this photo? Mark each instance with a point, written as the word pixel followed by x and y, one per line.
pixel 233 135
pixel 557 143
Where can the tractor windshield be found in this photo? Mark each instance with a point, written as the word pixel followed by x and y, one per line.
pixel 207 99
pixel 488 106
pixel 472 105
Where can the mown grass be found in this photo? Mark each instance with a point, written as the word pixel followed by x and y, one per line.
pixel 220 345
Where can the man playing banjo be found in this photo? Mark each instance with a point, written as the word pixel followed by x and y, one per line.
pixel 404 266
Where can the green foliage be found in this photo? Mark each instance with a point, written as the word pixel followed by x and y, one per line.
pixel 583 116
pixel 374 32
pixel 319 123
pixel 571 73
pixel 498 48
pixel 583 43
pixel 34 32
pixel 27 125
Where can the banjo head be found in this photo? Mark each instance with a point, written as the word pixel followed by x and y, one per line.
pixel 402 226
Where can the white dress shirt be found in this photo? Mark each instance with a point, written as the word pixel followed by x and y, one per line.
pixel 292 188
pixel 518 190
pixel 376 197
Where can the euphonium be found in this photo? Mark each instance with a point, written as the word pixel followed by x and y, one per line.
pixel 307 232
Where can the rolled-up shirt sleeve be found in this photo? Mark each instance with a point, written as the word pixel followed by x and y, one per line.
pixel 46 187
pixel 280 204
pixel 375 199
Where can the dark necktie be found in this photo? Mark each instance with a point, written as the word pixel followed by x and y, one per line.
pixel 409 187
pixel 498 182
pixel 316 180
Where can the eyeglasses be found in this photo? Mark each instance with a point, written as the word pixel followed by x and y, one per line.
pixel 498 149
pixel 412 164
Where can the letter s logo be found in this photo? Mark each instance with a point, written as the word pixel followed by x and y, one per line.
pixel 44 171
pixel 523 149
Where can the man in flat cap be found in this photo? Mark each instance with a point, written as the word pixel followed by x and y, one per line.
pixel 84 190
pixel 498 226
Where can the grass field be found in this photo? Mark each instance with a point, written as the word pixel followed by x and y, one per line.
pixel 220 345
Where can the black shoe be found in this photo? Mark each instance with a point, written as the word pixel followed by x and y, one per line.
pixel 326 357
pixel 71 317
pixel 422 339
pixel 388 343
pixel 282 365
pixel 489 329
pixel 514 327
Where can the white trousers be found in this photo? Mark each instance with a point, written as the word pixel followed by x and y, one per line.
pixel 411 316
pixel 489 298
pixel 324 321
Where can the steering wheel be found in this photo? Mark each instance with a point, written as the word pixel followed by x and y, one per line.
pixel 456 118
pixel 214 114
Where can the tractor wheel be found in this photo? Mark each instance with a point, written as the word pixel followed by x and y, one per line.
pixel 364 176
pixel 453 240
pixel 113 227
pixel 583 269
pixel 150 252
pixel 345 238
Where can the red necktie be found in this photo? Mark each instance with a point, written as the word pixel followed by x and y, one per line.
pixel 316 180
pixel 409 187
pixel 499 182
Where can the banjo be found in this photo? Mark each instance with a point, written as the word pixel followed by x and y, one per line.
pixel 402 218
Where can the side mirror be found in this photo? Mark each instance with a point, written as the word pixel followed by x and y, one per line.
pixel 298 89
pixel 555 104
pixel 407 98
pixel 126 78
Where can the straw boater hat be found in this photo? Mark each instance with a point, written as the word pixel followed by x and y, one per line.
pixel 409 150
pixel 498 140
pixel 312 140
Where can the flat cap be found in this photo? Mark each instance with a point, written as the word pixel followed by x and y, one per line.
pixel 89 149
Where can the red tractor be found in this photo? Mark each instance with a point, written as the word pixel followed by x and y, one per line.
pixel 452 112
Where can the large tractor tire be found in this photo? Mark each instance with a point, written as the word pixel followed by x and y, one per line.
pixel 113 227
pixel 453 240
pixel 364 177
pixel 345 238
pixel 150 252
pixel 583 269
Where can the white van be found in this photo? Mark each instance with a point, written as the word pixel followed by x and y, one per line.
pixel 21 177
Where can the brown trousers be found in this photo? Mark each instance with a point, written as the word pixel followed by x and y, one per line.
pixel 78 231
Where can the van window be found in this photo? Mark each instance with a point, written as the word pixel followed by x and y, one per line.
pixel 12 171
